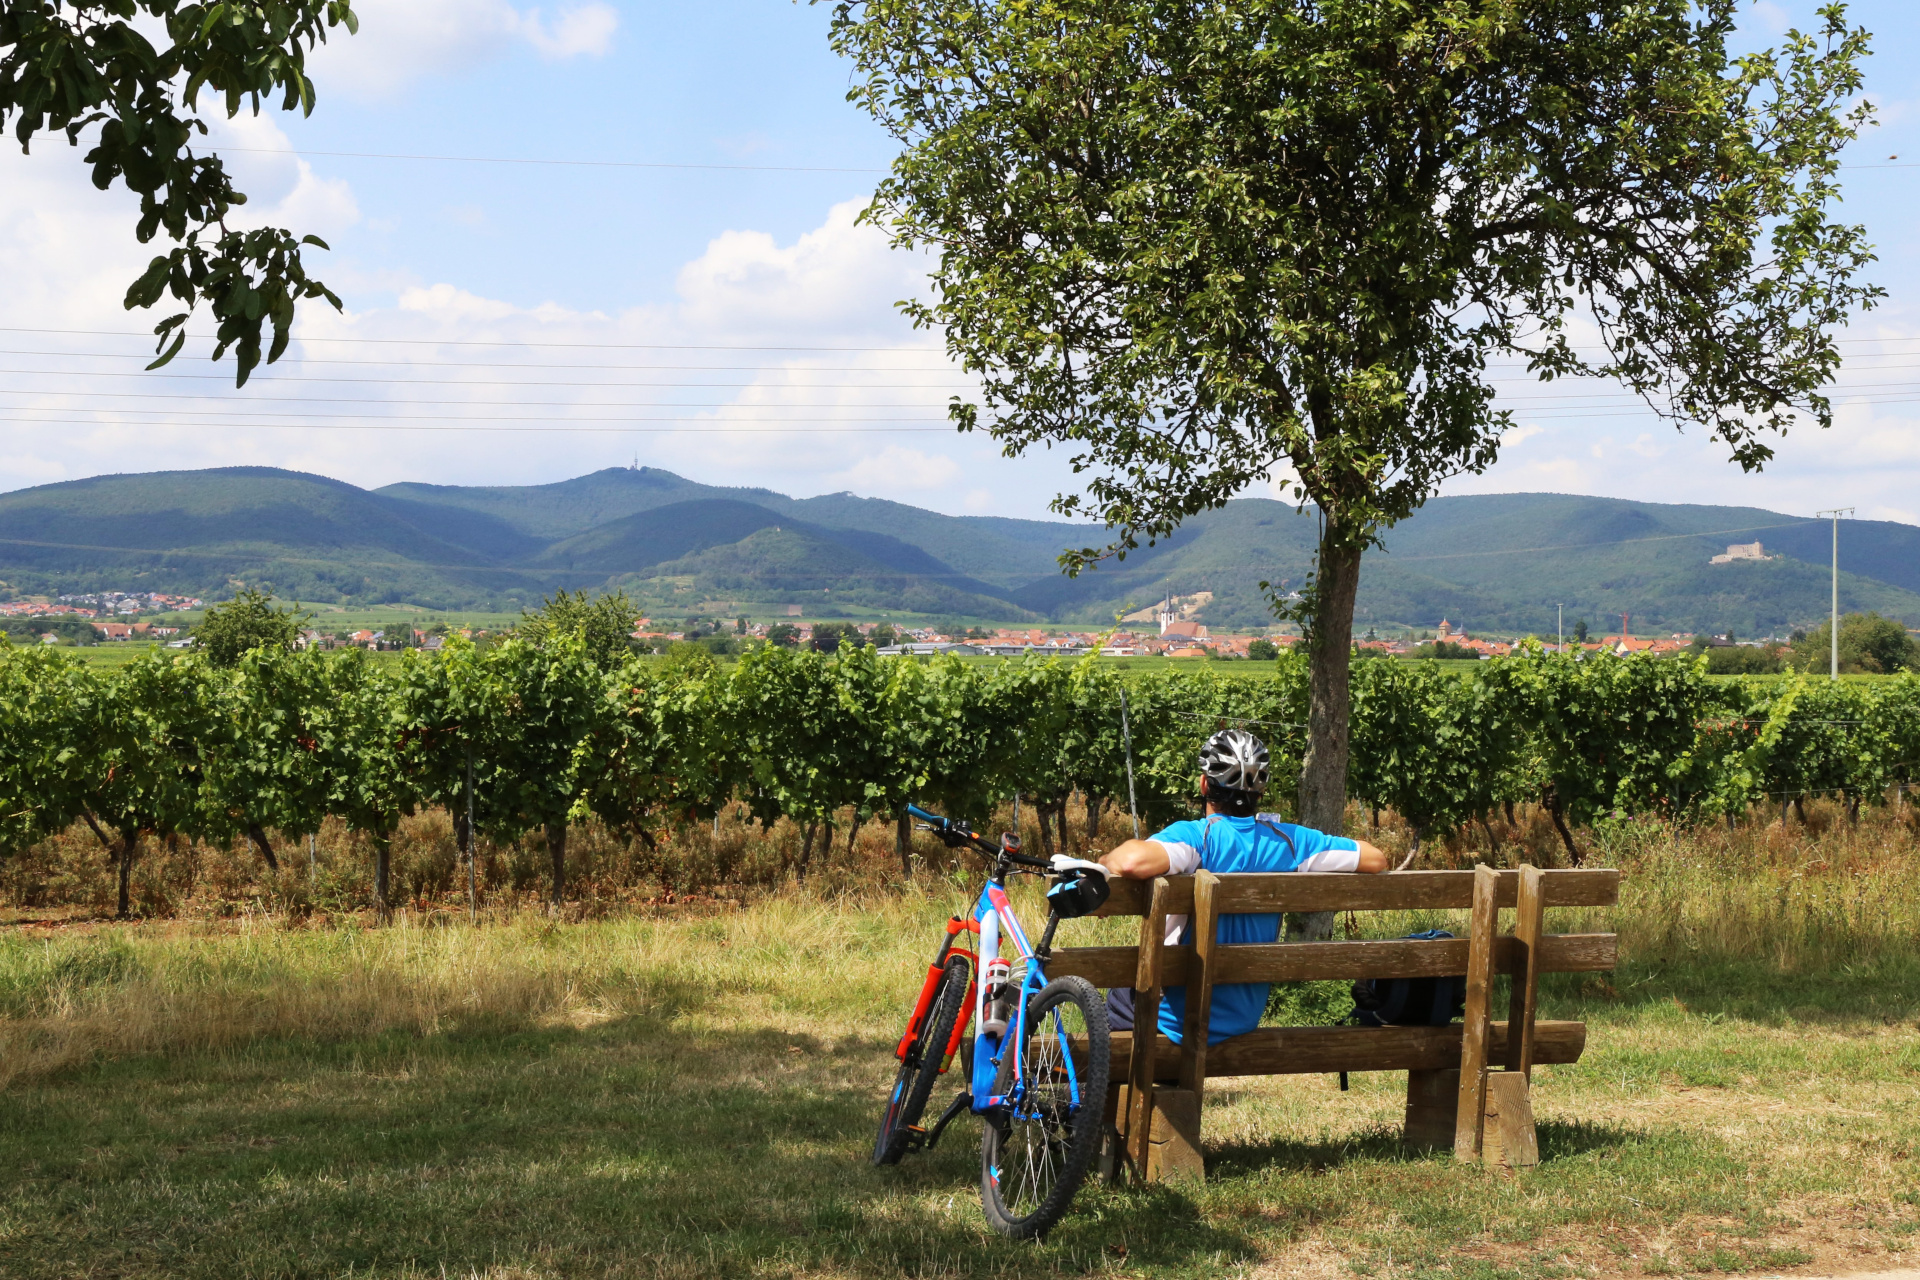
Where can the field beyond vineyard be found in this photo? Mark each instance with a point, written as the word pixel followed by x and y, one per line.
pixel 687 1088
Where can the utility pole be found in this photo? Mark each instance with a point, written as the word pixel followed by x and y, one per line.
pixel 1833 672
pixel 1560 626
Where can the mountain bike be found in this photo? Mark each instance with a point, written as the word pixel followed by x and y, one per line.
pixel 1037 1071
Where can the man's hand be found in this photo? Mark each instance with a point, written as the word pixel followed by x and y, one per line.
pixel 1138 860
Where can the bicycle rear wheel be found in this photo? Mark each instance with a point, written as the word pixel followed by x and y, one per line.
pixel 920 1068
pixel 1037 1151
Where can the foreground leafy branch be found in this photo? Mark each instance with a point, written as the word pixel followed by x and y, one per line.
pixel 88 68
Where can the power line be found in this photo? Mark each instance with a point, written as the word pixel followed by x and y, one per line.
pixel 641 346
pixel 1848 390
pixel 475 342
pixel 572 164
pixel 661 164
pixel 517 364
pixel 276 378
pixel 441 417
pixel 561 404
pixel 569 428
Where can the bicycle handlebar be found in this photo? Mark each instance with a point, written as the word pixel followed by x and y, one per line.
pixel 954 833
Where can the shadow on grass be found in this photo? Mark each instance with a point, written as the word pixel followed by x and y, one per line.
pixel 1380 1144
pixel 631 1148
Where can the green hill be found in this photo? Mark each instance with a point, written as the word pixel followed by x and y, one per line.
pixel 203 532
pixel 1490 563
pixel 1004 552
pixel 793 564
pixel 1502 562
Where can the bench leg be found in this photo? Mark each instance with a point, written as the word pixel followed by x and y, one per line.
pixel 1433 1105
pixel 1173 1142
pixel 1113 1129
pixel 1510 1137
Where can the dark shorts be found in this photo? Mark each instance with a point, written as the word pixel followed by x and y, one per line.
pixel 1120 1008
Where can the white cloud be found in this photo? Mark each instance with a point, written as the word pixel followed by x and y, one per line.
pixel 402 42
pixel 586 30
pixel 793 345
pixel 894 468
pixel 1519 435
pixel 840 277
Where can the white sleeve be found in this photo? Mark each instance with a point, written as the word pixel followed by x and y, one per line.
pixel 1326 859
pixel 1182 859
pixel 1176 925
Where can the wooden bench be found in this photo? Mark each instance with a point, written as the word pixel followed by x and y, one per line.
pixel 1455 1094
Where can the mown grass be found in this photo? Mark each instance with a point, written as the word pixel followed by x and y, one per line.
pixel 692 1093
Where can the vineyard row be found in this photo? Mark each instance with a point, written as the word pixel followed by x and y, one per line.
pixel 523 737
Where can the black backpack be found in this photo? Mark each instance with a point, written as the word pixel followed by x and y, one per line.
pixel 1410 1002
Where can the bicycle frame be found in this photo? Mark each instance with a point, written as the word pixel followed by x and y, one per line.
pixel 995 921
pixel 992 920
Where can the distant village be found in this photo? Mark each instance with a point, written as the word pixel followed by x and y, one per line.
pixel 1169 629
pixel 1170 634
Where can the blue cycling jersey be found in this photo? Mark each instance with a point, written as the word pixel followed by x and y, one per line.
pixel 1222 845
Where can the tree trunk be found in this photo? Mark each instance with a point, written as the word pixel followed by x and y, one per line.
pixel 259 837
pixel 1800 809
pixel 1094 805
pixel 382 869
pixel 806 851
pixel 1510 819
pixel 853 832
pixel 557 850
pixel 1853 810
pixel 462 838
pixel 1574 855
pixel 1323 773
pixel 1060 816
pixel 903 842
pixel 1040 811
pixel 1493 841
pixel 129 846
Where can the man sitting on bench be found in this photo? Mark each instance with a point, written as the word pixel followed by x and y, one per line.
pixel 1233 836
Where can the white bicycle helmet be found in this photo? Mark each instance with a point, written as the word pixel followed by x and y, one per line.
pixel 1236 760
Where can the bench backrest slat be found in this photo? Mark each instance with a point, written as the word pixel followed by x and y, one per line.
pixel 1401 891
pixel 1404 958
pixel 1304 961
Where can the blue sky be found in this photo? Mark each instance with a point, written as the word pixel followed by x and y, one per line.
pixel 640 283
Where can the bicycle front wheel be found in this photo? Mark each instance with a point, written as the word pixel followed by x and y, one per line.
pixel 920 1067
pixel 1040 1145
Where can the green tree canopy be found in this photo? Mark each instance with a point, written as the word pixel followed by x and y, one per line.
pixel 1868 642
pixel 65 68
pixel 604 624
pixel 246 622
pixel 1207 245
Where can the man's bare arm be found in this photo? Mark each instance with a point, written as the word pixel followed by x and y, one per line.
pixel 1138 860
pixel 1146 859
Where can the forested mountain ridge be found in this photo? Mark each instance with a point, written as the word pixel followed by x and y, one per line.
pixel 1495 562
